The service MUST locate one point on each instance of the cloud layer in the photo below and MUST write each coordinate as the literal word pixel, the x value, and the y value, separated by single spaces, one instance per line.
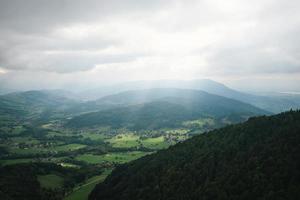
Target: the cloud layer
pixel 76 42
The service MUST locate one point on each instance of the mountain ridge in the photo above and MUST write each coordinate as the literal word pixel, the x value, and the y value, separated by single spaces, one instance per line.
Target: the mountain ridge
pixel 190 104
pixel 273 104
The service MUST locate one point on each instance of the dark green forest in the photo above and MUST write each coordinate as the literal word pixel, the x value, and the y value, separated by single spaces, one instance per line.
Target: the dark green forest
pixel 258 159
pixel 20 181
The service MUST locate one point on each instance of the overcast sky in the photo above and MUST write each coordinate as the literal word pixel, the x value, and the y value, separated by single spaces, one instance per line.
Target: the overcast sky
pixel 248 45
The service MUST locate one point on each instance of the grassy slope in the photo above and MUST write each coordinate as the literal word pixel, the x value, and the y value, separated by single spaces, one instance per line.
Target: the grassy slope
pixel 121 157
pixel 82 192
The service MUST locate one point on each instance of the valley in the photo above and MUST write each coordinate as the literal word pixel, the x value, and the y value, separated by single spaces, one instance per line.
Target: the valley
pixel 70 145
pixel 101 148
pixel 36 130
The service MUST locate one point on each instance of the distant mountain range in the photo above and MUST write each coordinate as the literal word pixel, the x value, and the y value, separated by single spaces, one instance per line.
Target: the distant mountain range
pixel 272 103
pixel 258 159
pixel 47 104
pixel 157 108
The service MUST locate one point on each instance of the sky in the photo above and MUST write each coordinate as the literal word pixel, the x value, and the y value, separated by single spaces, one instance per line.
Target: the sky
pixel 80 44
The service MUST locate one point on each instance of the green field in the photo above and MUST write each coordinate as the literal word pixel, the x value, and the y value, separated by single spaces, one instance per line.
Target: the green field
pixel 199 123
pixel 16 161
pixel 94 136
pixel 50 181
pixel 28 160
pixel 17 129
pixel 132 140
pixel 124 140
pixel 68 147
pixel 155 143
pixel 81 192
pixel 25 140
pixel 41 149
pixel 120 157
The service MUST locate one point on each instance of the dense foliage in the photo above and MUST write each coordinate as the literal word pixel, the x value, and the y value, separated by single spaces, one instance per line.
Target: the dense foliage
pixel 259 159
pixel 20 181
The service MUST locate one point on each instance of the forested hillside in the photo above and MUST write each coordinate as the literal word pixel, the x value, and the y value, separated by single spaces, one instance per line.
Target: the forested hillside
pixel 165 108
pixel 33 105
pixel 258 159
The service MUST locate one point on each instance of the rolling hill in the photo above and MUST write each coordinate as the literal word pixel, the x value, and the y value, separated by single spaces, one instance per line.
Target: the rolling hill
pixel 271 103
pixel 159 108
pixel 258 159
pixel 34 104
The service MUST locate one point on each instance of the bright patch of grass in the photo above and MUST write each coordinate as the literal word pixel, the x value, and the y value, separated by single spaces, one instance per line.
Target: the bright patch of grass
pixel 120 157
pixel 155 143
pixel 82 192
pixel 124 140
pixel 49 125
pixel 63 164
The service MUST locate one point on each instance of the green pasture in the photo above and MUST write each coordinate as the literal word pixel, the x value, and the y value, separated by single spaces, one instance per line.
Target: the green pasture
pixel 82 192
pixel 16 161
pixel 50 181
pixel 119 157
pixel 125 140
pixel 155 143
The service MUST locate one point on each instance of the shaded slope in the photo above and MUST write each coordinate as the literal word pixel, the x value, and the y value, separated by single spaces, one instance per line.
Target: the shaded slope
pixel 273 104
pixel 33 104
pixel 198 84
pixel 259 159
pixel 169 108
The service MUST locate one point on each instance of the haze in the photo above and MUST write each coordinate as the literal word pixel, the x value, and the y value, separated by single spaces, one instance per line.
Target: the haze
pixel 73 44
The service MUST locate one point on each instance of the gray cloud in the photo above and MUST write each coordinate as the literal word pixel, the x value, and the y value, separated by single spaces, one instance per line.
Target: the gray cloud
pixel 40 15
pixel 132 39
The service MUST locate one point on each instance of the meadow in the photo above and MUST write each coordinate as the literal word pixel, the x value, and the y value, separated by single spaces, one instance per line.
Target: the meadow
pixel 116 158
